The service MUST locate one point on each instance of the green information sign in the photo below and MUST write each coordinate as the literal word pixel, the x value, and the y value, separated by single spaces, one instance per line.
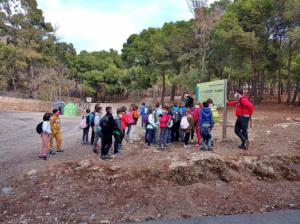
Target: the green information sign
pixel 215 90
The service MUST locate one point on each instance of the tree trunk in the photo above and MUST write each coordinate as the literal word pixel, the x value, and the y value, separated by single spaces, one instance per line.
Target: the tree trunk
pixel 173 92
pixel 279 86
pixel 289 74
pixel 297 90
pixel 163 92
pixel 203 64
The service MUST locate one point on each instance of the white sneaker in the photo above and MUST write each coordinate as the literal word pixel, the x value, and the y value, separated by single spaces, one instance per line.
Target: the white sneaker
pixel 185 146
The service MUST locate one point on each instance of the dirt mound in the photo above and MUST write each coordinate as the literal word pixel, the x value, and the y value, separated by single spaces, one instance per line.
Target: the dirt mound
pixel 9 103
pixel 179 188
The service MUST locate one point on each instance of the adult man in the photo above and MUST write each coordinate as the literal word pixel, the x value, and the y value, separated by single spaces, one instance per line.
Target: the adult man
pixel 107 127
pixel 243 111
pixel 188 100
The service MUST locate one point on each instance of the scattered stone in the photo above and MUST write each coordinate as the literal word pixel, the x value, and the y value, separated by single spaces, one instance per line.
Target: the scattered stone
pixel 31 172
pixel 104 222
pixel 297 119
pixel 7 190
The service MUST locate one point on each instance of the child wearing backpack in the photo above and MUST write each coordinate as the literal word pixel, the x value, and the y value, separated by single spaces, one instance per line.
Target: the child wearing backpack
pixel 150 127
pixel 133 116
pixel 85 125
pixel 206 124
pixel 91 122
pixel 187 125
pixel 97 129
pixel 163 120
pixel 215 116
pixel 176 126
pixel 118 132
pixel 45 134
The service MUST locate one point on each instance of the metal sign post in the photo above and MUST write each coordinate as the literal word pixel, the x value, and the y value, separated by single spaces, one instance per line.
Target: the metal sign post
pixel 224 133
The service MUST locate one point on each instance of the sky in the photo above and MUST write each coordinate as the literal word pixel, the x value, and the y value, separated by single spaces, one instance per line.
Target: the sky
pixel 95 25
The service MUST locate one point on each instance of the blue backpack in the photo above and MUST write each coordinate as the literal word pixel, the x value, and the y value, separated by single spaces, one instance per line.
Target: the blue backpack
pixel 146 119
pixel 91 121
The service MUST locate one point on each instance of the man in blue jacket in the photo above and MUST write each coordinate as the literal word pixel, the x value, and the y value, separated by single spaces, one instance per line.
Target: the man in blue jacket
pixel 206 124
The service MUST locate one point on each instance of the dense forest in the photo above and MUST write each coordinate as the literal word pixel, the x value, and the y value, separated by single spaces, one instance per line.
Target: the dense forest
pixel 255 44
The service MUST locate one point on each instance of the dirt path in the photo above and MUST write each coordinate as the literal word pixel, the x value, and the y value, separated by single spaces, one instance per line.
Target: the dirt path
pixel 146 184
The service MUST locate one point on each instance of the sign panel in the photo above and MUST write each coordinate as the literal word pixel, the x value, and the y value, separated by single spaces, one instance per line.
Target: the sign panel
pixel 89 99
pixel 215 90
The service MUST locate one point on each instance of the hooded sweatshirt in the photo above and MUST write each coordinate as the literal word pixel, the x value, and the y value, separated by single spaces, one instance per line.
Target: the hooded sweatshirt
pixel 206 117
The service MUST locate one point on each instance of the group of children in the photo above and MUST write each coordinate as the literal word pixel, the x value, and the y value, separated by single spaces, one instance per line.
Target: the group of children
pixel 106 127
pixel 169 124
pixel 163 125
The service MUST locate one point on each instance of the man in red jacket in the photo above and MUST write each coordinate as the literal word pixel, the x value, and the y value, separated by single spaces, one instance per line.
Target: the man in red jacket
pixel 243 111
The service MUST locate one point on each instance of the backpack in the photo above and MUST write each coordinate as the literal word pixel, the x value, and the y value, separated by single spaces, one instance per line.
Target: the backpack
pixel 92 117
pixel 215 114
pixel 146 119
pixel 177 117
pixel 170 123
pixel 117 127
pixel 39 128
pixel 83 123
pixel 184 123
pixel 104 122
pixel 205 133
pixel 130 117
pixel 136 115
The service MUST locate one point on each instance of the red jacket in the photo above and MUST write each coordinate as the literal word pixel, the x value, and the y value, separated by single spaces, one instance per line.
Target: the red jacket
pixel 243 106
pixel 124 121
pixel 163 120
pixel 196 115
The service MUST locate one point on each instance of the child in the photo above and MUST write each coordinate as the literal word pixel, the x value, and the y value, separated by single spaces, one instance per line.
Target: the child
pixel 118 132
pixel 215 116
pixel 206 124
pixel 187 127
pixel 45 136
pixel 163 120
pixel 196 116
pixel 85 135
pixel 107 128
pixel 124 122
pixel 97 129
pixel 176 126
pixel 55 132
pixel 150 127
pixel 158 112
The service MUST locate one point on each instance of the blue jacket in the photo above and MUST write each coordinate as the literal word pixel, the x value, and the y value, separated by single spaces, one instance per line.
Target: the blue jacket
pixel 206 117
pixel 143 110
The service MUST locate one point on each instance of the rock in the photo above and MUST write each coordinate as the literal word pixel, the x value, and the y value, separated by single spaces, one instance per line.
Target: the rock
pixel 177 164
pixel 84 163
pixel 264 171
pixel 282 125
pixel 31 172
pixel 48 214
pixel 7 190
pixel 268 132
pixel 104 222
pixel 297 119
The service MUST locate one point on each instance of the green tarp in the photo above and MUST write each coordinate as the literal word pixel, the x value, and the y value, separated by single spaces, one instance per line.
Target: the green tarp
pixel 71 110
